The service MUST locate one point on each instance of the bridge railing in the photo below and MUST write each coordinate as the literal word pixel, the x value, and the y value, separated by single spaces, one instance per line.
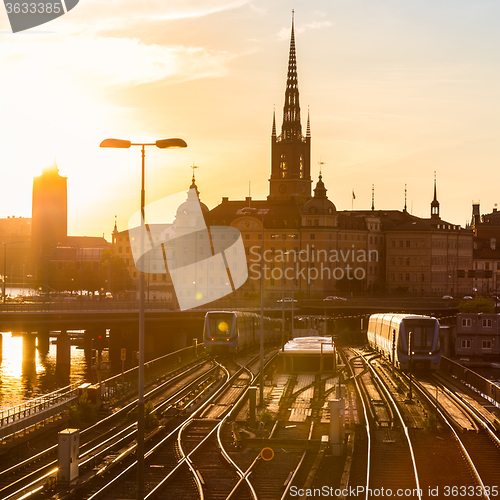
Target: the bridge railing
pixel 485 387
pixel 83 305
pixel 37 405
pixel 123 384
pixel 113 388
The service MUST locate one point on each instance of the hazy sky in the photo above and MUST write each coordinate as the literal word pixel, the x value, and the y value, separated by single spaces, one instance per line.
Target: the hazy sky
pixel 396 90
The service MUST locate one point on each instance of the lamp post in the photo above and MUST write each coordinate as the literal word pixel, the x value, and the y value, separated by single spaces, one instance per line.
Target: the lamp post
pixel 261 212
pixel 162 144
pixel 410 355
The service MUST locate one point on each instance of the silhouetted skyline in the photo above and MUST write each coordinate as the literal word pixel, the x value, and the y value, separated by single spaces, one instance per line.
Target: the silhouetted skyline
pixel 395 91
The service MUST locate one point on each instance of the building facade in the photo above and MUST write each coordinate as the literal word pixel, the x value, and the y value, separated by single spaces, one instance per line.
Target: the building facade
pixel 486 272
pixel 302 245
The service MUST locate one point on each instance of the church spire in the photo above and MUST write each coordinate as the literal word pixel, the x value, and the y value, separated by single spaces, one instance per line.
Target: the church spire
pixel 193 181
pixel 290 150
pixel 291 127
pixel 435 202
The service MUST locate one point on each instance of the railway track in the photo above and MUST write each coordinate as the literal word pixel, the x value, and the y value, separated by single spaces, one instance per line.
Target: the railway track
pixel 170 470
pixel 390 460
pixel 480 447
pixel 450 457
pixel 100 441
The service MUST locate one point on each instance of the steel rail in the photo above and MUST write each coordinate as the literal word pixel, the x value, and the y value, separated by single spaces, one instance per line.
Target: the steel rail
pixel 225 454
pixel 463 449
pixel 100 444
pixel 405 427
pixel 473 412
pixel 187 458
pixel 128 407
pixel 299 465
pixel 367 421
pixel 151 451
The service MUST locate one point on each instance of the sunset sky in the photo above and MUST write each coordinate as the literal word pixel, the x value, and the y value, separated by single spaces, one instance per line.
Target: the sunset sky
pixel 397 89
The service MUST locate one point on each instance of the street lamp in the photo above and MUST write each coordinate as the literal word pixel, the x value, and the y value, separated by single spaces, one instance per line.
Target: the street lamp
pixel 262 212
pixel 162 144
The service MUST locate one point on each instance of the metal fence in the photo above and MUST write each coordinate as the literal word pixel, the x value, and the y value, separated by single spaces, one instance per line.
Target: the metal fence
pixel 126 383
pixel 84 305
pixel 485 387
pixel 38 405
pixel 109 390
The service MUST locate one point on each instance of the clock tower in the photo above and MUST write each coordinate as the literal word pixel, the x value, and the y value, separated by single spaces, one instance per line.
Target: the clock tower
pixel 291 151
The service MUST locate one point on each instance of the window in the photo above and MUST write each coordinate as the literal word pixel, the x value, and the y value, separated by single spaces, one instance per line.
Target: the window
pixel 313 236
pixel 393 243
pixel 407 261
pixel 316 222
pixel 283 166
pixel 401 243
pixel 407 243
pixel 465 344
pixel 466 322
pixel 407 277
pixel 486 344
pixel 486 323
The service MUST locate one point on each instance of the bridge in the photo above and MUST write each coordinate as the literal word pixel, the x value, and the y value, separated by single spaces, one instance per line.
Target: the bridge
pixel 168 330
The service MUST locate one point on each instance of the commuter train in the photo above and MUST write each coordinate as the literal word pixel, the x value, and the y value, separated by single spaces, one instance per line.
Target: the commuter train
pixel 232 331
pixel 390 332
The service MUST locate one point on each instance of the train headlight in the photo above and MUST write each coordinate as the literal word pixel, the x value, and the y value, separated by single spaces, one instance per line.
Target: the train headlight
pixel 223 326
pixel 430 353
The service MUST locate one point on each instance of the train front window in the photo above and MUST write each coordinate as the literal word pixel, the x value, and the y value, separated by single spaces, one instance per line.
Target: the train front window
pixel 220 325
pixel 422 334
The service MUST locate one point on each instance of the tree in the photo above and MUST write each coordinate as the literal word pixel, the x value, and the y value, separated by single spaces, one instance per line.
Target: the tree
pixel 477 305
pixel 115 271
pixel 83 412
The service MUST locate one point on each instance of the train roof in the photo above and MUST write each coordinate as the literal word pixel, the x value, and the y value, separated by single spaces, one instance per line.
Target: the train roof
pixel 309 345
pixel 400 316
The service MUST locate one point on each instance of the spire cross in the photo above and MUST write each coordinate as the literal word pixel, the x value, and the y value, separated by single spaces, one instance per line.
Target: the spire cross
pixel 193 167
pixel 320 163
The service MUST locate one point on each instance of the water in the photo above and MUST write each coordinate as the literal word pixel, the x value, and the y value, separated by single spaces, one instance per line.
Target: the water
pixel 25 373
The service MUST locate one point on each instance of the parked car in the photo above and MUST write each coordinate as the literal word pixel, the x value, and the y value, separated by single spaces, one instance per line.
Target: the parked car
pixel 333 297
pixel 287 299
pixel 447 297
pixel 468 297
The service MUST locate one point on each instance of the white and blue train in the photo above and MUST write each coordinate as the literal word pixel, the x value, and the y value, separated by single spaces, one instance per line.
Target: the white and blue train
pixel 232 331
pixel 389 333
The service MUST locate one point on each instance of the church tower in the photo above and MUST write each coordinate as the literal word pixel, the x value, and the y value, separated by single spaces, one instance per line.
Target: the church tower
pixel 435 202
pixel 291 151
